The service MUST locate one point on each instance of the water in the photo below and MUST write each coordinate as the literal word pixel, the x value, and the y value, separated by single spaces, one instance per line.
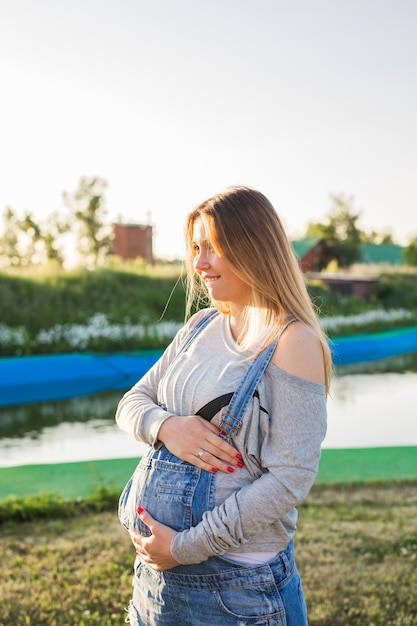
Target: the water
pixel 370 406
pixel 373 410
pixel 70 430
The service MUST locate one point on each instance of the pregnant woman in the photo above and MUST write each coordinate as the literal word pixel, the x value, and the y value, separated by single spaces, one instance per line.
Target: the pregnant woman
pixel 234 415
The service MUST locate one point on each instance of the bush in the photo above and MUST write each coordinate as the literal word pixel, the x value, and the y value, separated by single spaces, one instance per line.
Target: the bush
pixel 50 505
pixel 73 297
pixel 396 290
pixel 130 308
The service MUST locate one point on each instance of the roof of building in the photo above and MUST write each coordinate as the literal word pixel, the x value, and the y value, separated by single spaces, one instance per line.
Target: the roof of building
pixel 381 253
pixel 302 246
pixel 370 253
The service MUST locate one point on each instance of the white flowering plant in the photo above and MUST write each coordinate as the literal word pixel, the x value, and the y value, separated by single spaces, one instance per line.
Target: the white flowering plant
pixel 367 321
pixel 98 334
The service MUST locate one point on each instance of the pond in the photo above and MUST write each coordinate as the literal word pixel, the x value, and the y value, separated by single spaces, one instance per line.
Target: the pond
pixel 371 405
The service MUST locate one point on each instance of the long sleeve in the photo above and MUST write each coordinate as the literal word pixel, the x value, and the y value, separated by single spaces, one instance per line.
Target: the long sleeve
pixel 290 452
pixel 138 412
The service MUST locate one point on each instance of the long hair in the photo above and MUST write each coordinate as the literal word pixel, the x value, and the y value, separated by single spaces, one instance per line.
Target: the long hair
pixel 246 231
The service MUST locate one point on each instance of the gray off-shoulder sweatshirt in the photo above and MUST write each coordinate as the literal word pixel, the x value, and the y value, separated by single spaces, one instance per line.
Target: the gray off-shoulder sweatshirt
pixel 280 441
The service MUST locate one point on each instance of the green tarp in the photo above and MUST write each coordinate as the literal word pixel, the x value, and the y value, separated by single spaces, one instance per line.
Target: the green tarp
pixel 72 480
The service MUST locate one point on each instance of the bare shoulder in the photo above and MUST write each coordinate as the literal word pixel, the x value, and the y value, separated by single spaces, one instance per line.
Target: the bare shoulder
pixel 299 352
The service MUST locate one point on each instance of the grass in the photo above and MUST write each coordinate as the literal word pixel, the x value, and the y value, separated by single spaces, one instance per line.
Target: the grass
pixel 357 553
pixel 356 549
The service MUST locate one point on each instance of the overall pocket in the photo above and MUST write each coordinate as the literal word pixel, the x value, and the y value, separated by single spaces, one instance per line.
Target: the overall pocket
pixel 174 492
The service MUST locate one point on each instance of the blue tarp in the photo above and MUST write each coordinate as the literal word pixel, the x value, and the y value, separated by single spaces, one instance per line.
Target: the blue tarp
pixel 41 378
pixel 61 376
pixel 375 346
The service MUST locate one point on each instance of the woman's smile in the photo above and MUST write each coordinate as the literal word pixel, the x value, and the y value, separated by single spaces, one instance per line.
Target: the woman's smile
pixel 210 279
pixel 216 273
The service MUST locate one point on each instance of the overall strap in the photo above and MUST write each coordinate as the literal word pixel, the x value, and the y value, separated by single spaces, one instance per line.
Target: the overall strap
pixel 232 418
pixel 196 330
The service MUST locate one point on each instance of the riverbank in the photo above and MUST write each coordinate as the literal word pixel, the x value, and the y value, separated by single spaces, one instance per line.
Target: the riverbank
pixel 80 479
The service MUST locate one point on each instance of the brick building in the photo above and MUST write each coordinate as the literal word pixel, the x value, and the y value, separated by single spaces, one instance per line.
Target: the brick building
pixel 132 241
pixel 312 254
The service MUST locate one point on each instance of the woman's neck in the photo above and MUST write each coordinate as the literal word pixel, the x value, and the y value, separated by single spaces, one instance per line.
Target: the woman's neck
pixel 236 323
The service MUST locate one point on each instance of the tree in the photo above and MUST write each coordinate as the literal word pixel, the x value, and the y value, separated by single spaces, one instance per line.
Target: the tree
pixel 385 237
pixel 89 210
pixel 43 242
pixel 33 234
pixel 52 238
pixel 9 241
pixel 342 236
pixel 315 229
pixel 410 252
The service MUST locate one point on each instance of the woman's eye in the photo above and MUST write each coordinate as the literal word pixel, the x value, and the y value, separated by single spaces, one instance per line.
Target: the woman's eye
pixel 196 249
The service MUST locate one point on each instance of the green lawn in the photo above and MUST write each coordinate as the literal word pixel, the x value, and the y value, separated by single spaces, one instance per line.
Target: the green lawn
pixel 356 548
pixel 72 480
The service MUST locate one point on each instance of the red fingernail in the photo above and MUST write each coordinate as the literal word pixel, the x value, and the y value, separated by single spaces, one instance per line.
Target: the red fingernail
pixel 230 469
pixel 239 464
pixel 239 456
pixel 214 469
pixel 139 510
pixel 221 432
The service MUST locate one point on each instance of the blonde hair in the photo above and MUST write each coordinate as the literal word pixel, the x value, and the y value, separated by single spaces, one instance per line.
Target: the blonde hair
pixel 246 231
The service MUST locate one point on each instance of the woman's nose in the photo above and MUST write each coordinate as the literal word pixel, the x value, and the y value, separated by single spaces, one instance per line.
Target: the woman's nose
pixel 201 261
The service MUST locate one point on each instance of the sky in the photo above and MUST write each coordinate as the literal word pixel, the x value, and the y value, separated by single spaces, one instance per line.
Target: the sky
pixel 172 101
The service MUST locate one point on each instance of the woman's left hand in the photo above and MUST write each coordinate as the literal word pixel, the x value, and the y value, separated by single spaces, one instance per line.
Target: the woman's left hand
pixel 155 550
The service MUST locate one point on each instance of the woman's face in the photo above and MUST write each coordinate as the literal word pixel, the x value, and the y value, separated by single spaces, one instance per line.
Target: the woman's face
pixel 221 281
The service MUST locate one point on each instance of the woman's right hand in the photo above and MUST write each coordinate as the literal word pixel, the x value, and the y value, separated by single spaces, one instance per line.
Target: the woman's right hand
pixel 198 442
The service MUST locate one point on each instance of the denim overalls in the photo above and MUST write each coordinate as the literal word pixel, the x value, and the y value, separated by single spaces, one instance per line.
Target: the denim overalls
pixel 217 592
